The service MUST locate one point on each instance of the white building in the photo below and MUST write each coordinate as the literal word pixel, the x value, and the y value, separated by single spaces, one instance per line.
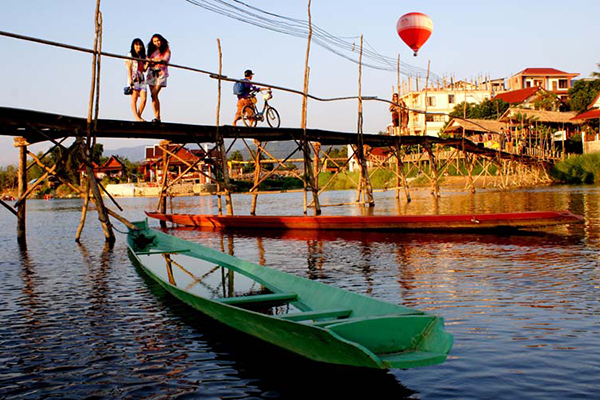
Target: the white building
pixel 441 100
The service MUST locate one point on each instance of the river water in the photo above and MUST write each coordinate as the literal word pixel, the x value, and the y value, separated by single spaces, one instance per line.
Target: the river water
pixel 80 321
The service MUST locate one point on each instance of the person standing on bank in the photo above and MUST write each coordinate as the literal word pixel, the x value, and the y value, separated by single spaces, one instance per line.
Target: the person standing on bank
pixel 244 97
pixel 158 72
pixel 135 77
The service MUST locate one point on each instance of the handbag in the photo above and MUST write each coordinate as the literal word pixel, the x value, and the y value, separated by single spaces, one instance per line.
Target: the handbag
pixel 127 90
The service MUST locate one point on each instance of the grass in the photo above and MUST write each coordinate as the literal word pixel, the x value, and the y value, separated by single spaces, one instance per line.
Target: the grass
pixel 578 169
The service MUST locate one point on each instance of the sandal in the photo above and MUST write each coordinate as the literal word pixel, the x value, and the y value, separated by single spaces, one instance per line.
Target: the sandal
pixel 156 120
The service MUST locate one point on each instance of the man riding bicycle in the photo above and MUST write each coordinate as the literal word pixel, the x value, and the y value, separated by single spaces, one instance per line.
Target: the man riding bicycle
pixel 245 94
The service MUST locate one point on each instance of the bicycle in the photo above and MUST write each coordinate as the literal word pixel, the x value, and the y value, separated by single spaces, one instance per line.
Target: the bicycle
pixel 251 115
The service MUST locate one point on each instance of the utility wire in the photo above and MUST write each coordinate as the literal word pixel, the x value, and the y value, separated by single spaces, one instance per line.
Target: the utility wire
pixel 341 47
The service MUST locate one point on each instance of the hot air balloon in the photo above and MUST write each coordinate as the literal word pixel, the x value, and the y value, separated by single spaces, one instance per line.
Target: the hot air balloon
pixel 414 29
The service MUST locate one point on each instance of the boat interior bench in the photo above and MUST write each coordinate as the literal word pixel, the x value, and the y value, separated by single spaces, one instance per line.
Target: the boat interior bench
pixel 259 299
pixel 317 314
pixel 151 251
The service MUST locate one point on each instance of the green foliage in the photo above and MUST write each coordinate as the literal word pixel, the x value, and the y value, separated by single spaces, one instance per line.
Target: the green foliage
pixel 236 156
pixel 547 101
pixel 582 94
pixel 487 109
pixel 578 169
pixel 8 178
pixel 341 152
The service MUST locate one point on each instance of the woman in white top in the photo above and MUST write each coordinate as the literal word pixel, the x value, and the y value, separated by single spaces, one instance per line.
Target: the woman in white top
pixel 135 78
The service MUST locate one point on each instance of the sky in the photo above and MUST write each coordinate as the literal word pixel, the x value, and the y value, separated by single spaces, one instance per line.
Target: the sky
pixel 470 39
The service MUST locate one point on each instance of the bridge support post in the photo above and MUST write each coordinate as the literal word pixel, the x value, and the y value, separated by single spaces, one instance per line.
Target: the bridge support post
pixel 433 167
pixel 317 148
pixel 21 144
pixel 257 171
pixel 401 174
pixel 162 202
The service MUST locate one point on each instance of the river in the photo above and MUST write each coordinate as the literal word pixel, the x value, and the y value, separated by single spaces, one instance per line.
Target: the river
pixel 80 321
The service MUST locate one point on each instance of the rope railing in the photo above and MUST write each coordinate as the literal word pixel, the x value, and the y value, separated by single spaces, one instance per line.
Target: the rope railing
pixel 218 76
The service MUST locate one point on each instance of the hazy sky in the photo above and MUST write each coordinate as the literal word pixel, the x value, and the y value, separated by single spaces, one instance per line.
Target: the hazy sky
pixel 470 38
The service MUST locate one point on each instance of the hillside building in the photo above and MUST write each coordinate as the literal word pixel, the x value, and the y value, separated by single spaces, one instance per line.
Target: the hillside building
pixel 549 79
pixel 438 102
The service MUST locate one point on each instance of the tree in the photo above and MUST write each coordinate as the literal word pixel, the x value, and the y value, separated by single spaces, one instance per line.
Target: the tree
pixel 583 93
pixel 487 109
pixel 547 101
pixel 236 156
pixel 596 74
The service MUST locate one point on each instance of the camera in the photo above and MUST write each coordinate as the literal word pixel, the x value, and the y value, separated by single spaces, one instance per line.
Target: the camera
pixel 127 90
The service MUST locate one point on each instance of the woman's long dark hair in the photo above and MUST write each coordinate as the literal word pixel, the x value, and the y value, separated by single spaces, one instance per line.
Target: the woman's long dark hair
pixel 164 44
pixel 141 54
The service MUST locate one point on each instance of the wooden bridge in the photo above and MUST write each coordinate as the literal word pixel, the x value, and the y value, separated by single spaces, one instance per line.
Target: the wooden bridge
pixel 36 127
pixel 30 127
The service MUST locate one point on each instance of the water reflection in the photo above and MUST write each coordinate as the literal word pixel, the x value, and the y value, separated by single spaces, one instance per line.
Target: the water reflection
pixel 81 322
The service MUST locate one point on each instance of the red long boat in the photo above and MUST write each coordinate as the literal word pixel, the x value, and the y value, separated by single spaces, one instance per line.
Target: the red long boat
pixel 436 223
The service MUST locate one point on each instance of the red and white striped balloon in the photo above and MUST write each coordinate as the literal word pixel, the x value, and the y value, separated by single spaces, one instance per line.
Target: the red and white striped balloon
pixel 414 29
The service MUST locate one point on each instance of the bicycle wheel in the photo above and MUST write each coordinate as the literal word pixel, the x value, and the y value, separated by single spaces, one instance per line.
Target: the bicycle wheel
pixel 248 116
pixel 273 117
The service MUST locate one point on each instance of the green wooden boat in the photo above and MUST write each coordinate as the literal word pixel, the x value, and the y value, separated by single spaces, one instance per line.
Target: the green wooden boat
pixel 312 319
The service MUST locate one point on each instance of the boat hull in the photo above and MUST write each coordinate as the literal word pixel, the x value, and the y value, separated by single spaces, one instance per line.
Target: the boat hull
pixel 459 222
pixel 371 336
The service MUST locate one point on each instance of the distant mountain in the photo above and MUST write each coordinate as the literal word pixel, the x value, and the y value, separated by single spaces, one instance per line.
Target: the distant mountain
pixel 133 154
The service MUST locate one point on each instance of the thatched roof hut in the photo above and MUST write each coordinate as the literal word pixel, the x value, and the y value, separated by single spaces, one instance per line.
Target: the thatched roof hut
pixel 553 117
pixel 474 126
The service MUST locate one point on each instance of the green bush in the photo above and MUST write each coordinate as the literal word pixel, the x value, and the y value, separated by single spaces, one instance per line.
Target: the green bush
pixel 578 169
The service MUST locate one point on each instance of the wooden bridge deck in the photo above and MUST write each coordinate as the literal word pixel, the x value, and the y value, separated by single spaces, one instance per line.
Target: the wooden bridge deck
pixel 36 126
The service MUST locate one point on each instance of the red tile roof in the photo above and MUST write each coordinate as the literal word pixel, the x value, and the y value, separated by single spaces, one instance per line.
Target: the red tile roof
pixel 543 71
pixel 592 114
pixel 381 152
pixel 518 96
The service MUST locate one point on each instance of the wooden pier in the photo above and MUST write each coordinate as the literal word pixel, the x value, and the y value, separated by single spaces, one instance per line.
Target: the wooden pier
pixel 29 127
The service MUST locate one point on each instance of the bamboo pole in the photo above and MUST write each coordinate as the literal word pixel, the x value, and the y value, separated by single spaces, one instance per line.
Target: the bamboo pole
pixel 86 202
pixel 221 144
pixel 309 180
pixel 317 149
pixel 365 183
pixel 113 214
pixel 102 214
pixel 426 89
pixel 162 201
pixel 257 170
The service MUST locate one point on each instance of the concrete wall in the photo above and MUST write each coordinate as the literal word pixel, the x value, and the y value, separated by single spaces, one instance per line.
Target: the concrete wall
pixel 591 147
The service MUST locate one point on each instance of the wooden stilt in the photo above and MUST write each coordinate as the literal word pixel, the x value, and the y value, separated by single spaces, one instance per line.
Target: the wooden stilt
pixel 162 201
pixel 221 145
pixel 257 171
pixel 365 182
pixel 316 169
pixel 21 143
pixel 309 180
pixel 433 169
pixel 86 202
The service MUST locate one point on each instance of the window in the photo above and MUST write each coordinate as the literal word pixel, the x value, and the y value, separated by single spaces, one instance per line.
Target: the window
pixel 431 101
pixel 563 84
pixel 434 118
pixel 450 99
